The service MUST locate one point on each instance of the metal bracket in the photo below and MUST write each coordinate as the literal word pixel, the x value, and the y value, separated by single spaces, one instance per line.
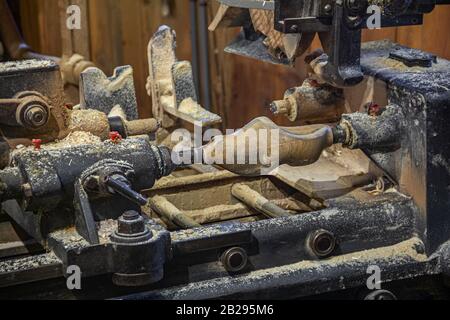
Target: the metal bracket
pixel 101 93
pixel 84 218
pixel 171 84
pixel 84 215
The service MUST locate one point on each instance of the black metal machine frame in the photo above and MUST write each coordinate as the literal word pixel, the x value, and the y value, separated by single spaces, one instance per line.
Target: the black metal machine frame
pixel 404 232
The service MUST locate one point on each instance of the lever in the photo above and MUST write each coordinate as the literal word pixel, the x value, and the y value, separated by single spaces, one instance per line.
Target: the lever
pixel 122 188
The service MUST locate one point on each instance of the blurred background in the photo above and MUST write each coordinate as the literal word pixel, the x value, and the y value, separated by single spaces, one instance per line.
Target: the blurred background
pixel 116 32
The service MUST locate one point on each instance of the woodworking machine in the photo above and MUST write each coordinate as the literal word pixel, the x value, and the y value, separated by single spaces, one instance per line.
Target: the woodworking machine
pixel 362 186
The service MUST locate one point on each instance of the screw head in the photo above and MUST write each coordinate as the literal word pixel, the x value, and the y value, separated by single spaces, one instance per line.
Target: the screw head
pixel 36 116
pixel 131 229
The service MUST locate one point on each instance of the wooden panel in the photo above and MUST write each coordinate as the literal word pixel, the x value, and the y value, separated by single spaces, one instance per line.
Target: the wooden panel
pixel 433 36
pixel 75 41
pixel 40 25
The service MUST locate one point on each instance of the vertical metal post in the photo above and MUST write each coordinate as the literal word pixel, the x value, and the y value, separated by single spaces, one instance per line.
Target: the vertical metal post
pixel 204 54
pixel 194 43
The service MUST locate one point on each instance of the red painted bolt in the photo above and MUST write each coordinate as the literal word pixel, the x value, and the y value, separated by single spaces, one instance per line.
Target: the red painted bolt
pixel 37 144
pixel 115 137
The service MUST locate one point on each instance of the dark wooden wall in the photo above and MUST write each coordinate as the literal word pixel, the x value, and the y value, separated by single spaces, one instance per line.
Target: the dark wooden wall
pixel 241 88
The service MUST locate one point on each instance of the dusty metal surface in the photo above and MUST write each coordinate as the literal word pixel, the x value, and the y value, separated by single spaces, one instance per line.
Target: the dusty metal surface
pixel 264 283
pixel 197 218
pixel 34 78
pixel 260 40
pixel 99 92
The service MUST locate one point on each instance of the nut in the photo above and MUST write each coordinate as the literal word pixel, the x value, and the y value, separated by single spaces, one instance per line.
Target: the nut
pixel 36 116
pixel 32 112
pixel 131 223
pixel 234 259
pixel 322 243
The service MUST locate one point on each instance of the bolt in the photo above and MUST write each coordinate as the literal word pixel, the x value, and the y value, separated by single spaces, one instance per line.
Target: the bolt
pixel 328 8
pixel 36 116
pixel 131 228
pixel 294 28
pixel 131 223
pixel 131 215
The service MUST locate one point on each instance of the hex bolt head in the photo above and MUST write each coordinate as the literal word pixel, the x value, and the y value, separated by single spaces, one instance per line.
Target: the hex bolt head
pixel 131 223
pixel 36 116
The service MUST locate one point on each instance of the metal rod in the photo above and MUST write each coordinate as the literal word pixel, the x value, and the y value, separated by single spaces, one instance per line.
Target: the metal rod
pixel 166 209
pixel 256 201
pixel 125 191
pixel 204 54
pixel 194 43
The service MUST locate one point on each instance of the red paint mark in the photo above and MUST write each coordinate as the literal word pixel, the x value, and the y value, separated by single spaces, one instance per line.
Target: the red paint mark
pixel 314 83
pixel 115 137
pixel 37 144
pixel 374 110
